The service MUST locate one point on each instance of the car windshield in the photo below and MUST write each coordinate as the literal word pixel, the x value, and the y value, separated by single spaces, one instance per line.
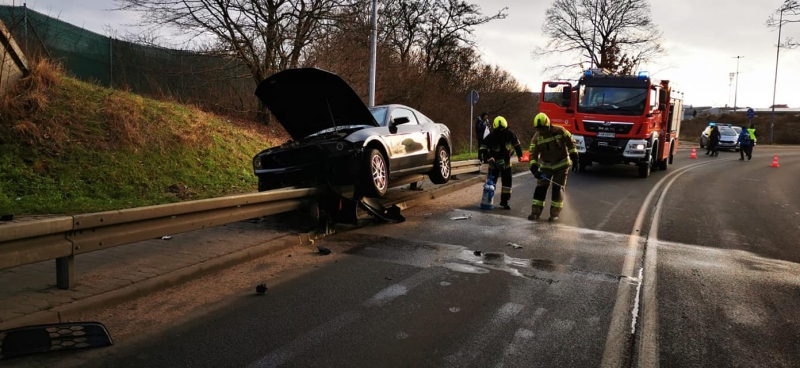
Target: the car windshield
pixel 380 114
pixel 612 100
pixel 727 131
pixel 737 129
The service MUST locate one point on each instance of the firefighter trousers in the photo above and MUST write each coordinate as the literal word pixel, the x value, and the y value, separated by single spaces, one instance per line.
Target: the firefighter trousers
pixel 504 173
pixel 559 183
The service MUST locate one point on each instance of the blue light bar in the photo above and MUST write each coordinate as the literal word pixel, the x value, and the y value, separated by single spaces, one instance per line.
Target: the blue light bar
pixel 642 75
pixel 588 73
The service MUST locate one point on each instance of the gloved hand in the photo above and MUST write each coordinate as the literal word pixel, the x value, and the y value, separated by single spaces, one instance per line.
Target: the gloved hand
pixel 535 170
pixel 575 162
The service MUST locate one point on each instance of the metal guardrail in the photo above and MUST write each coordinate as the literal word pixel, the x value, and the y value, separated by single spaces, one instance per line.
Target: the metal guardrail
pixel 62 238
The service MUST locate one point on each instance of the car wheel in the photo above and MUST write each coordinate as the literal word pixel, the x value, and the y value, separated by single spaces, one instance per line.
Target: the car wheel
pixel 376 178
pixel 441 166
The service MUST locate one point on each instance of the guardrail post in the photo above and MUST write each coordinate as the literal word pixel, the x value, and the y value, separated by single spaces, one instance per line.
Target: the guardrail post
pixel 65 272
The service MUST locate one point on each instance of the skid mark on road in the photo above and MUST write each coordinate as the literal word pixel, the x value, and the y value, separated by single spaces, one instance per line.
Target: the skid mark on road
pixel 307 341
pixel 391 292
pixel 467 354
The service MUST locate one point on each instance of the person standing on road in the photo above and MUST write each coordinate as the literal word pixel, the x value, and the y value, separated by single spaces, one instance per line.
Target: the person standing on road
pixel 713 141
pixel 552 153
pixel 481 127
pixel 746 142
pixel 496 149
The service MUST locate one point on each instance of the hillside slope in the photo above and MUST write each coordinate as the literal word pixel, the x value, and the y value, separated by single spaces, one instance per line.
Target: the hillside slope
pixel 68 146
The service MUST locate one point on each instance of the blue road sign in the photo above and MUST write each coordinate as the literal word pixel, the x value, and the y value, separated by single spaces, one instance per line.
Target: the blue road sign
pixel 750 113
pixel 472 97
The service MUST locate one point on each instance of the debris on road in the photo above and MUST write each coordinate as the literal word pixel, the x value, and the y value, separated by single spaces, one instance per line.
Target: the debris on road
pixel 261 288
pixel 166 237
pixel 477 253
pixel 514 245
pixel 462 217
pixel 322 250
pixel 455 309
pixel 387 278
pixel 53 337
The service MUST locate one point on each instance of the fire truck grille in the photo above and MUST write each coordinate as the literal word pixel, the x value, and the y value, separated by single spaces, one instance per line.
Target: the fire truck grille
pixel 608 127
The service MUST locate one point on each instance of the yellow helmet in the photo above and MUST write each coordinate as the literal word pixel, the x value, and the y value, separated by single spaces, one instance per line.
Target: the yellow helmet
pixel 500 122
pixel 541 120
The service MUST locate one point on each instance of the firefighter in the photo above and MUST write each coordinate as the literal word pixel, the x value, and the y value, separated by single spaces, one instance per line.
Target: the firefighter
pixel 552 152
pixel 496 149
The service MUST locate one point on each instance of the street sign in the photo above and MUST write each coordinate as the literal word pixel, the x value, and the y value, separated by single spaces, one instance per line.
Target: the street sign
pixel 750 113
pixel 472 97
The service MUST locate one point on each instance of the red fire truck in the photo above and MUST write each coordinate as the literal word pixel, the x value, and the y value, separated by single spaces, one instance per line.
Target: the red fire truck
pixel 617 119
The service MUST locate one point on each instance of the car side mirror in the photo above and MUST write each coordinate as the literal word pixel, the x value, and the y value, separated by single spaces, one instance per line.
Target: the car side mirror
pixel 400 120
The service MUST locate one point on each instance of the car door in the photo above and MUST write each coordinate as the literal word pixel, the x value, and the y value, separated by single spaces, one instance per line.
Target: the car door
pixel 407 141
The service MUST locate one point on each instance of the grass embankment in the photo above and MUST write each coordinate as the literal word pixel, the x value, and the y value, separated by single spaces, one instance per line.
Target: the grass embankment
pixel 787 126
pixel 68 146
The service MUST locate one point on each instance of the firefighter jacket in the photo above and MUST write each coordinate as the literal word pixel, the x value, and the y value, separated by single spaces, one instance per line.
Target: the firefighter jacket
pixel 551 148
pixel 500 144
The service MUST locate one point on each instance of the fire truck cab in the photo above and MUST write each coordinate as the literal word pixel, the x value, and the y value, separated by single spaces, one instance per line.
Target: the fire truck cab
pixel 617 119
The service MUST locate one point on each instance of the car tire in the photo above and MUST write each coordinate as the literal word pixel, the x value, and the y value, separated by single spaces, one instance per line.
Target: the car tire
pixel 376 174
pixel 441 166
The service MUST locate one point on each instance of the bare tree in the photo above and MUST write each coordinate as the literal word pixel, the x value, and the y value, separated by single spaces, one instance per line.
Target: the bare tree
pixel 791 14
pixel 450 25
pixel 612 34
pixel 266 35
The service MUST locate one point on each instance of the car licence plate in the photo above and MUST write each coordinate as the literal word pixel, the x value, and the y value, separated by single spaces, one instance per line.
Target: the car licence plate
pixel 606 135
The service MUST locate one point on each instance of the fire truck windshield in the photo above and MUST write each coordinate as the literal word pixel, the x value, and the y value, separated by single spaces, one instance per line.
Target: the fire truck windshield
pixel 612 100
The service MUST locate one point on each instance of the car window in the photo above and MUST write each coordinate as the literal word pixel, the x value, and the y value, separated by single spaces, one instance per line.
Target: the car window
pixel 379 113
pixel 400 113
pixel 727 131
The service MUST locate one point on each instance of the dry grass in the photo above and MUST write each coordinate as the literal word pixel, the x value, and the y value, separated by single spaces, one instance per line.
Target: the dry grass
pixel 68 146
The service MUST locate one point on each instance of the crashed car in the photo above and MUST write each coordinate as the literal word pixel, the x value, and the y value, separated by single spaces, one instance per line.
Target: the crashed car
pixel 337 140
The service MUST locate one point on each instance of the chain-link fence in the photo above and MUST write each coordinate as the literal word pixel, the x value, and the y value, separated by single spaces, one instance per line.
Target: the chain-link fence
pixel 213 82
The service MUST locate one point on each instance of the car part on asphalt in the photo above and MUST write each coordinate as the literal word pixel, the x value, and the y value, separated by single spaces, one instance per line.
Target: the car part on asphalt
pixel 53 337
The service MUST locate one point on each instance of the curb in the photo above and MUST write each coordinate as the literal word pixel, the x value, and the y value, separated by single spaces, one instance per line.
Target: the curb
pixel 73 310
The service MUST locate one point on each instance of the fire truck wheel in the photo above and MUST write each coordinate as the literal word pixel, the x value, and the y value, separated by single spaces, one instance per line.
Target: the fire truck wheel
pixel 662 165
pixel 646 167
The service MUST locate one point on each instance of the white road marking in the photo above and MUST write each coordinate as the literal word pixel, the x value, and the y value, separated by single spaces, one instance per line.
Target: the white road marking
pixel 617 338
pixel 648 350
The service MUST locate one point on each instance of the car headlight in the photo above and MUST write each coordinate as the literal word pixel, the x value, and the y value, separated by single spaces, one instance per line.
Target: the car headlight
pixel 637 146
pixel 257 162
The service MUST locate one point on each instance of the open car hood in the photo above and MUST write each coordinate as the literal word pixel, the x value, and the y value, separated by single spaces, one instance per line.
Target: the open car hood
pixel 308 100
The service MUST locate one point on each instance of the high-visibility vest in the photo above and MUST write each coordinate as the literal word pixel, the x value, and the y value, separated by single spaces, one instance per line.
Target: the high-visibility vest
pixel 752 132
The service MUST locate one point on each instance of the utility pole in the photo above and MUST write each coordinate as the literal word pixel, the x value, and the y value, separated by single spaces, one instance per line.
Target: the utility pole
pixel 775 84
pixel 736 94
pixel 594 34
pixel 373 53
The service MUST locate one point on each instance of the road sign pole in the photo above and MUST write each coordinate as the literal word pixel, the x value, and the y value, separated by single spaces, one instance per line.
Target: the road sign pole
pixel 470 125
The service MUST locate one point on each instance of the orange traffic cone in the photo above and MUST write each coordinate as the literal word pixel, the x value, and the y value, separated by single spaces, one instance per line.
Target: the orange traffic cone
pixel 526 157
pixel 694 153
pixel 775 161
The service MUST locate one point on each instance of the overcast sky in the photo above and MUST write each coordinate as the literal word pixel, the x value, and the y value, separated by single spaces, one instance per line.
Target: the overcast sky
pixel 702 37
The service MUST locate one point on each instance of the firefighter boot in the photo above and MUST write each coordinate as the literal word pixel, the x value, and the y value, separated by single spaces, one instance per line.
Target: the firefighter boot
pixel 536 212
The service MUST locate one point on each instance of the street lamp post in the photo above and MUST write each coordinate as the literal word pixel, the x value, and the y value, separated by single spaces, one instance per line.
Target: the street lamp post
pixel 775 84
pixel 736 93
pixel 373 53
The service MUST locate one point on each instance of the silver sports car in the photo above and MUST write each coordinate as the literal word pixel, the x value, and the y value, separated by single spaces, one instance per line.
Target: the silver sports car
pixel 337 140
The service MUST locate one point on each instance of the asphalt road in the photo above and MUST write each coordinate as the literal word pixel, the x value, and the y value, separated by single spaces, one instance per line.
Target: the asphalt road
pixel 692 267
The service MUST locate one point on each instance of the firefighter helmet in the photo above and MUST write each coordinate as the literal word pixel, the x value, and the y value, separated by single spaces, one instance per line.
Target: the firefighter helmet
pixel 500 123
pixel 541 120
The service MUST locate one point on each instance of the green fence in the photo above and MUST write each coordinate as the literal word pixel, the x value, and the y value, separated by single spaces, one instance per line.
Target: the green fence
pixel 213 82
